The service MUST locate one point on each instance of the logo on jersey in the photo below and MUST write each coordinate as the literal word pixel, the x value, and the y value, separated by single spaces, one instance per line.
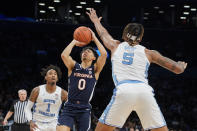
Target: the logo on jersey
pixel 56 96
pixel 49 101
pixel 47 113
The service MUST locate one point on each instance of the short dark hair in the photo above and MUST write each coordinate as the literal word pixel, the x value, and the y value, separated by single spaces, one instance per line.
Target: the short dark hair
pixel 93 50
pixel 47 68
pixel 133 29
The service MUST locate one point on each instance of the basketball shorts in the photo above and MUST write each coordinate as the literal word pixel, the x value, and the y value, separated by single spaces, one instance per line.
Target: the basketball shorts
pixel 82 120
pixel 128 97
pixel 46 126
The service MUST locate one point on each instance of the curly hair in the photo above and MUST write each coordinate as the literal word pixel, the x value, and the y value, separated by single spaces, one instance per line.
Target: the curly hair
pixel 133 32
pixel 47 68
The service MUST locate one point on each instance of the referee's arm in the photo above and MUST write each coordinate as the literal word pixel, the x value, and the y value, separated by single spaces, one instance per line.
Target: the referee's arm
pixel 8 115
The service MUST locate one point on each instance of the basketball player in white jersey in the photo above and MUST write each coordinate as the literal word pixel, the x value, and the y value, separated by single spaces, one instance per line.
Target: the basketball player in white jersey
pixel 46 101
pixel 130 62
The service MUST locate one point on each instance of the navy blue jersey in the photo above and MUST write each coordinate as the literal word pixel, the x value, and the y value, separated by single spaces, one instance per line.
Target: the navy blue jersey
pixel 81 85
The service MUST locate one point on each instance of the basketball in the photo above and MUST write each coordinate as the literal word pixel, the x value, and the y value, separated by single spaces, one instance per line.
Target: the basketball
pixel 83 34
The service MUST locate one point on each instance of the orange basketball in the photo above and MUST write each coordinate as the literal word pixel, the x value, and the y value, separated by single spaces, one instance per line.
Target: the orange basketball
pixel 83 34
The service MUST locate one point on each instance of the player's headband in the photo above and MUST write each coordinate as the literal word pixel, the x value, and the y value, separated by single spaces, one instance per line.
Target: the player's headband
pixel 132 37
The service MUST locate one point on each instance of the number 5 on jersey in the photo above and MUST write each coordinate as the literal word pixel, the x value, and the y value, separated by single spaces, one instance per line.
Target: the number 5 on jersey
pixel 127 58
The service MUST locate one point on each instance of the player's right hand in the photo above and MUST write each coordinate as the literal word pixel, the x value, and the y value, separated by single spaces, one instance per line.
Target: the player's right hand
pixel 33 126
pixel 93 16
pixel 78 43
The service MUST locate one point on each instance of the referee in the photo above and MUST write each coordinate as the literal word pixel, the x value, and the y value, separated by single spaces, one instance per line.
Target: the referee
pixel 20 121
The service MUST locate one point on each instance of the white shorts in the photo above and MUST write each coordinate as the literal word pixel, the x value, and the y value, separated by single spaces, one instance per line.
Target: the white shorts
pixel 130 97
pixel 46 126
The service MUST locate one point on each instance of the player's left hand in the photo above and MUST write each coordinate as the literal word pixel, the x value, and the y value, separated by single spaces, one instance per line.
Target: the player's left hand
pixel 93 34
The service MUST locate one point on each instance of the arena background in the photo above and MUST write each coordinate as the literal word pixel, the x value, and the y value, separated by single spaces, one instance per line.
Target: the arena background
pixel 34 33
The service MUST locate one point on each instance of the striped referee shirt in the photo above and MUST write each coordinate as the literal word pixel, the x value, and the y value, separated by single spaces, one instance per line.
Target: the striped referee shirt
pixel 19 111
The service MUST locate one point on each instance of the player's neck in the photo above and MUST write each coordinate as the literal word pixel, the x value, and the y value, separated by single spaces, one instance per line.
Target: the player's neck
pixel 50 88
pixel 86 64
pixel 133 44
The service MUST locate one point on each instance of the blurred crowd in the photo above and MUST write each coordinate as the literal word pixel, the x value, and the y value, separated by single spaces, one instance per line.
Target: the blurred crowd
pixel 23 54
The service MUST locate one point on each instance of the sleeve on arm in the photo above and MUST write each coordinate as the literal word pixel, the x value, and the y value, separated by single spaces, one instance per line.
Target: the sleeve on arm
pixel 12 108
pixel 28 112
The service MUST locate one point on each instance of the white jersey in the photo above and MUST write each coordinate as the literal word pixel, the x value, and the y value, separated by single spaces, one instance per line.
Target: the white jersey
pixel 47 105
pixel 129 63
pixel 132 92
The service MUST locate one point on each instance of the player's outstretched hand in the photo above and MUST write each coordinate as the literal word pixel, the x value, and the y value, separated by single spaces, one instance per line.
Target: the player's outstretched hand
pixel 182 63
pixel 93 16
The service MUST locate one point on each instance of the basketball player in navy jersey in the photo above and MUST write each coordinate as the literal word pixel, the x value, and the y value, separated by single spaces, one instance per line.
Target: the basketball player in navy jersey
pixel 81 83
pixel 130 62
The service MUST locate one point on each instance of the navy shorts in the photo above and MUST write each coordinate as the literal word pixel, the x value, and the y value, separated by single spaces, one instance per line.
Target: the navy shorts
pixel 82 120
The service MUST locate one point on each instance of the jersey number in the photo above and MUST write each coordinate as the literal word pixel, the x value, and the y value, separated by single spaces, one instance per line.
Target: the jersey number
pixel 48 108
pixel 82 84
pixel 127 58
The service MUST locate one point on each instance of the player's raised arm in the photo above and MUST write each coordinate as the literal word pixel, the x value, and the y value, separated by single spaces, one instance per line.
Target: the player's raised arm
pixel 67 59
pixel 102 58
pixel 107 39
pixel 173 66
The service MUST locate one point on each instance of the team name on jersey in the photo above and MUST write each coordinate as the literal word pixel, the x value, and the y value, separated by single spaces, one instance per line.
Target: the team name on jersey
pixel 46 113
pixel 83 75
pixel 49 101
